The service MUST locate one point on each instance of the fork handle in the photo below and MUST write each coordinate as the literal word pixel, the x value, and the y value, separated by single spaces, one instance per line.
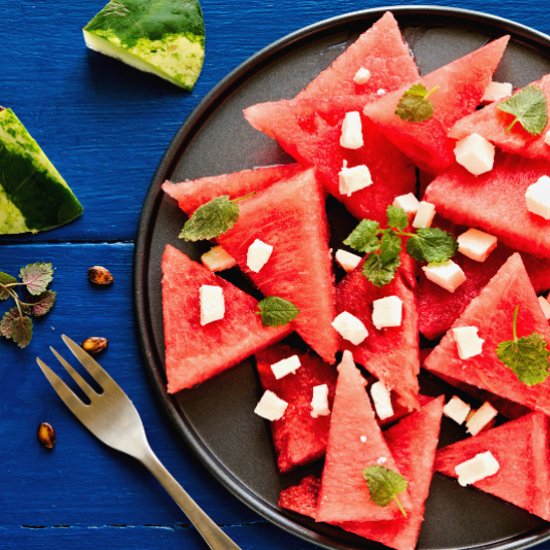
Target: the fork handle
pixel 214 537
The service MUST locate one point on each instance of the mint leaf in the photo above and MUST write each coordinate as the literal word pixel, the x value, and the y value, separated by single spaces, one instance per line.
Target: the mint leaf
pixel 36 277
pixel 384 485
pixel 414 105
pixel 397 217
pixel 211 220
pixel 277 311
pixel 16 327
pixel 529 109
pixel 378 272
pixel 5 279
pixel 6 322
pixel 390 247
pixel 364 238
pixel 527 356
pixel 431 245
pixel 44 303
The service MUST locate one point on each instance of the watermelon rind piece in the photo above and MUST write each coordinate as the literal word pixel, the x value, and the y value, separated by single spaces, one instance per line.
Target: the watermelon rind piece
pixel 162 37
pixel 33 195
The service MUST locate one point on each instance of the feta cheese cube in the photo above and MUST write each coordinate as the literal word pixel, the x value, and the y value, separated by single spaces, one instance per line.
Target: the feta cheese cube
pixel 468 343
pixel 352 131
pixel 409 203
pixel 387 312
pixel 346 260
pixel 319 401
pixel 270 406
pixel 456 409
pixel 480 418
pixel 362 76
pixel 212 303
pixel 545 306
pixel 447 275
pixel 381 398
pixel 380 91
pixel 547 138
pixel 496 91
pixel 350 328
pixel 476 245
pixel 537 197
pixel 363 438
pixel 353 179
pixel 424 215
pixel 477 468
pixel 286 366
pixel 476 154
pixel 258 255
pixel 218 259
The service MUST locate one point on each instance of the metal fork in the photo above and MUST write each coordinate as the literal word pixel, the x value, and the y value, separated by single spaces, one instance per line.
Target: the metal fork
pixel 114 420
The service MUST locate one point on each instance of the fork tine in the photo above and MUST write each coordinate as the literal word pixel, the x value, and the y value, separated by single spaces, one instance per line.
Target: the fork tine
pixel 65 393
pixel 84 386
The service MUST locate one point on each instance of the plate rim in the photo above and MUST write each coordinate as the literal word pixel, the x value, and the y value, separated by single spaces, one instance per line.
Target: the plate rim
pixel 141 257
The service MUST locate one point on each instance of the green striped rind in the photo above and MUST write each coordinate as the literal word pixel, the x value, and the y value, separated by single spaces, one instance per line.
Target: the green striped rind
pixel 163 37
pixel 33 195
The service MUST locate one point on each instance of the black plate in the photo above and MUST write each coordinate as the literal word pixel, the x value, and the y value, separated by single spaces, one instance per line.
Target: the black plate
pixel 216 418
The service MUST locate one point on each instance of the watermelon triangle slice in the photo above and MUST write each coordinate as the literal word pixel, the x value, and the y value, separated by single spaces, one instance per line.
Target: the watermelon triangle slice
pixel 413 443
pixel 298 437
pixel 290 216
pixel 460 87
pixel 195 353
pixel 302 497
pixel 191 194
pixel 355 442
pixel 522 449
pixel 492 312
pixel 495 202
pixel 492 123
pixel 390 354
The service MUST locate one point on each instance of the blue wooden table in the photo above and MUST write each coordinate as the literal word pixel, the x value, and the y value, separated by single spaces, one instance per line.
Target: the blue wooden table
pixel 106 127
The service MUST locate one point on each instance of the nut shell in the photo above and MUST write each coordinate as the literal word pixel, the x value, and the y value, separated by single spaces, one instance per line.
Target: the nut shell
pixel 99 275
pixel 95 344
pixel 46 435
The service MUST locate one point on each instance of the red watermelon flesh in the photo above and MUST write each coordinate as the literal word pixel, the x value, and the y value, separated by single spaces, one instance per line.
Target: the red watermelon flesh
pixel 290 216
pixel 495 202
pixel 310 132
pixel 192 194
pixel 522 449
pixel 492 312
pixel 344 494
pixel 390 354
pixel 492 123
pixel 461 85
pixel 195 353
pixel 438 308
pixel 413 443
pixel 302 497
pixel 298 437
pixel 381 50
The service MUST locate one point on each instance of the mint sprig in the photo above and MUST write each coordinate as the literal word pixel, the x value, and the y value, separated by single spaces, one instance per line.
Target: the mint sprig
pixel 276 311
pixel 364 238
pixel 385 485
pixel 431 244
pixel 414 105
pixel 529 109
pixel 527 356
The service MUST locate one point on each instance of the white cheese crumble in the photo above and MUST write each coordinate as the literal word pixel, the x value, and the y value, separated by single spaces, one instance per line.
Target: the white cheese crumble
pixel 319 401
pixel 381 398
pixel 350 328
pixel 353 179
pixel 380 91
pixel 475 153
pixel 545 306
pixel 477 468
pixel 270 406
pixel 363 439
pixel 480 418
pixel 382 460
pixel 362 76
pixel 258 255
pixel 547 138
pixel 387 312
pixel 424 215
pixel 468 343
pixel 352 131
pixel 496 91
pixel 537 197
pixel 286 366
pixel 212 303
pixel 447 275
pixel 218 259
pixel 346 260
pixel 409 203
pixel 456 409
pixel 476 244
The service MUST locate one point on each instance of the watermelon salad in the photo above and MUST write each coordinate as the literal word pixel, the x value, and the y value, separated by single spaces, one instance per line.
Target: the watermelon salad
pixel 444 276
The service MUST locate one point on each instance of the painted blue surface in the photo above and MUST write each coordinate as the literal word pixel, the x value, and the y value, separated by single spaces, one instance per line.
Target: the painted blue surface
pixel 106 127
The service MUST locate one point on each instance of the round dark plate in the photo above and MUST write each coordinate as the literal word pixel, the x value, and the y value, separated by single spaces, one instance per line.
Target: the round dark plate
pixel 216 418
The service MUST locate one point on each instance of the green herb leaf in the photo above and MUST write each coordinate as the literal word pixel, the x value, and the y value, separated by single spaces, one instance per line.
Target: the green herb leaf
pixel 277 311
pixel 529 109
pixel 527 356
pixel 414 105
pixel 37 277
pixel 384 485
pixel 211 220
pixel 378 272
pixel 5 279
pixel 364 238
pixel 390 247
pixel 44 303
pixel 16 327
pixel 397 217
pixel 432 245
